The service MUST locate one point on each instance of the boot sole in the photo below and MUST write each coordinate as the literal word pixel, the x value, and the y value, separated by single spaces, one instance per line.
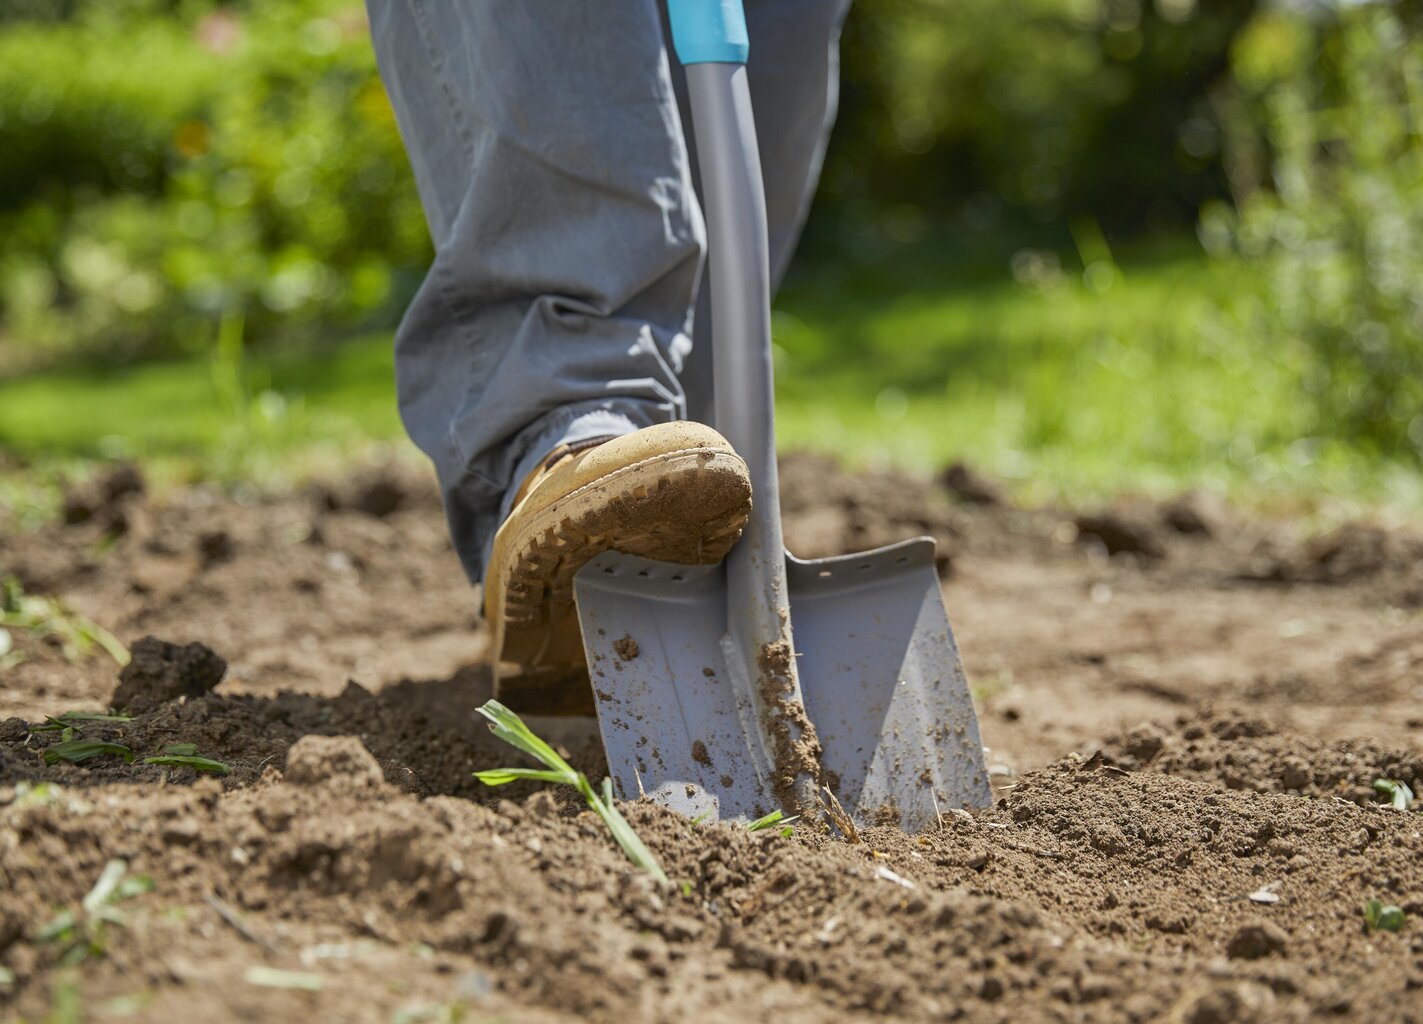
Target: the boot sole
pixel 686 506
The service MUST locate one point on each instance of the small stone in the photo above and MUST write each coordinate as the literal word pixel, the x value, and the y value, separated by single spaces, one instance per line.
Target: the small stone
pixel 542 806
pixel 1257 939
pixel 14 730
pixel 215 546
pixel 313 760
pixel 181 831
pixel 1144 744
pixel 1294 774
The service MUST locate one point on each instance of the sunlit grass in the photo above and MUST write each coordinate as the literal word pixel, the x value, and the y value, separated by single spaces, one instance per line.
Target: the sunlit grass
pixel 1145 384
pixel 1137 381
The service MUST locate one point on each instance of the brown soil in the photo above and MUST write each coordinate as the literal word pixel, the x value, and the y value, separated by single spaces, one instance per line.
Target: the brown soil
pixel 1184 737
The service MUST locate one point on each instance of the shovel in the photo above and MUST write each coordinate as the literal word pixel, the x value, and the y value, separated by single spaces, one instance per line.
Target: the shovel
pixel 737 689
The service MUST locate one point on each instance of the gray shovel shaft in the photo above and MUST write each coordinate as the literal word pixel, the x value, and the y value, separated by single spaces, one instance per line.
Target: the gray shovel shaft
pixel 740 281
pixel 758 609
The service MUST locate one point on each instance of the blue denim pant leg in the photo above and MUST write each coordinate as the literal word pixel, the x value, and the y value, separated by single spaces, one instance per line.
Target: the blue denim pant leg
pixel 546 138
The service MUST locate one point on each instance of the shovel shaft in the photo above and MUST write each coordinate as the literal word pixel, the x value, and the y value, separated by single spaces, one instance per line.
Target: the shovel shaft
pixel 759 649
pixel 739 279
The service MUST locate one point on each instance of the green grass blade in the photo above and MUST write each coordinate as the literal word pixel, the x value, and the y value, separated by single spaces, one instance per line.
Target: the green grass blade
pixel 181 749
pixel 502 776
pixel 58 926
pixel 510 728
pixel 78 751
pixel 106 886
pixel 133 885
pixel 77 720
pixel 769 820
pixel 1400 796
pixel 202 764
pixel 111 644
pixel 632 844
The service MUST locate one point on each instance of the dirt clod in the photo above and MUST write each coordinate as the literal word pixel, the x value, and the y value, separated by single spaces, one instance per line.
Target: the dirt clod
pixel 1195 514
pixel 313 760
pixel 1122 532
pixel 626 647
pixel 102 497
pixel 968 485
pixel 160 671
pixel 1257 939
pixel 215 546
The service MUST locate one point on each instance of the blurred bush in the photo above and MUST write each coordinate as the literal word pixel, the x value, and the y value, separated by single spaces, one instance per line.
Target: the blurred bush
pixel 166 165
pixel 1325 129
pixel 992 112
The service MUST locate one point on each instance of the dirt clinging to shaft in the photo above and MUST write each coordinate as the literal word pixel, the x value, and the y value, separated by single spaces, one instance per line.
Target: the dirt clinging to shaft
pixel 1185 739
pixel 796 771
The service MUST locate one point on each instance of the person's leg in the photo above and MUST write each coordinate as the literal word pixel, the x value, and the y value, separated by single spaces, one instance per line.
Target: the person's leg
pixel 546 145
pixel 794 75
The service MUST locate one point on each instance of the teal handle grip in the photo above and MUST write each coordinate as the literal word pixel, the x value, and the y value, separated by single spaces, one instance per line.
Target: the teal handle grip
pixel 709 31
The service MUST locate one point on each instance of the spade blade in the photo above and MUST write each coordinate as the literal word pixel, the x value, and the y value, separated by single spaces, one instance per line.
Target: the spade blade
pixel 879 669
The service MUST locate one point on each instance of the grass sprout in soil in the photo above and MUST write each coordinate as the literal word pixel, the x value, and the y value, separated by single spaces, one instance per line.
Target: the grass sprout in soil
pixel 510 728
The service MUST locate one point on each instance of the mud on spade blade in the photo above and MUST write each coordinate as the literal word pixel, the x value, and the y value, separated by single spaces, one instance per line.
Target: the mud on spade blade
pixel 879 672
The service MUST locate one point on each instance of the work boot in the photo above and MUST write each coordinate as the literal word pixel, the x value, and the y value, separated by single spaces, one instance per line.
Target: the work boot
pixel 675 492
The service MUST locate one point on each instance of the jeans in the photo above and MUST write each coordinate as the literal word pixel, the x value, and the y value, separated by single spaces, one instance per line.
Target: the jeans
pixel 551 149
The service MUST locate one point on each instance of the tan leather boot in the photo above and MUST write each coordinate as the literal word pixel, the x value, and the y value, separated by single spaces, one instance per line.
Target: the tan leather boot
pixel 676 492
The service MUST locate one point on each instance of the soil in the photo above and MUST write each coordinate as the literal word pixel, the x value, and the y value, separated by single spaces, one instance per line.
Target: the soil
pixel 1186 709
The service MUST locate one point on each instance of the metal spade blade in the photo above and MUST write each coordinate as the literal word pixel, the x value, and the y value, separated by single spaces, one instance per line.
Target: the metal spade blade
pixel 879 672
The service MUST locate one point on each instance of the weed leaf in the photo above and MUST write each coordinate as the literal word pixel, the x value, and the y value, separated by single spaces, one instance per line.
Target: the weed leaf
pixel 76 720
pixel 1381 917
pixel 1398 793
pixel 776 816
pixel 510 728
pixel 202 764
pixel 78 751
pixel 501 776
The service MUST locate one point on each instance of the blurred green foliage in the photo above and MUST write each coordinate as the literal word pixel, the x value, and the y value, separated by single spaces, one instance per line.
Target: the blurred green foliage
pixel 1326 158
pixel 194 178
pixel 991 111
pixel 165 165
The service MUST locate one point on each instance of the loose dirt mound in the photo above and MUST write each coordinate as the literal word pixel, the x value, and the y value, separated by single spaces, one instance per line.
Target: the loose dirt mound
pixel 1184 746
